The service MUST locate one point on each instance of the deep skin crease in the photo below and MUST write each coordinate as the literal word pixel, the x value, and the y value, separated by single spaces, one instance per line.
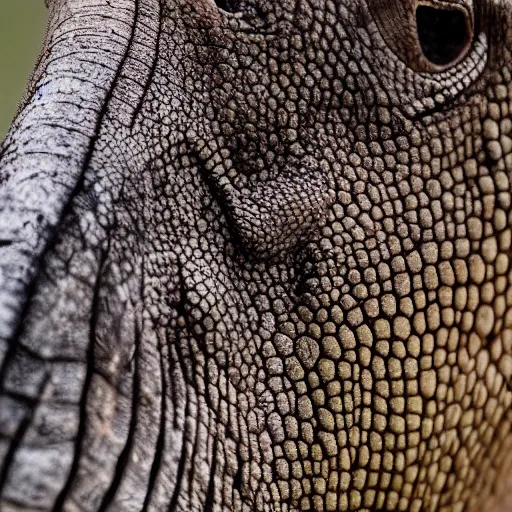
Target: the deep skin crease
pixel 255 256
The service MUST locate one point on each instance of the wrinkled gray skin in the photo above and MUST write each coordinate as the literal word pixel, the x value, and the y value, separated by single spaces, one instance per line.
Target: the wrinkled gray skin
pixel 258 261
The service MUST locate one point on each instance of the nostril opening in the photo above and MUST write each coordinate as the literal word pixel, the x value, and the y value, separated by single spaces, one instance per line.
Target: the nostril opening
pixel 238 6
pixel 225 5
pixel 231 6
pixel 444 34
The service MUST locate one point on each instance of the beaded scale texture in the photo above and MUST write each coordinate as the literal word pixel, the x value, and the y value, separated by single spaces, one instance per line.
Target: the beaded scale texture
pixel 255 256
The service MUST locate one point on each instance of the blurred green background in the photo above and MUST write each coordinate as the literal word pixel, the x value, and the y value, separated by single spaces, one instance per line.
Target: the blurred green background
pixel 22 25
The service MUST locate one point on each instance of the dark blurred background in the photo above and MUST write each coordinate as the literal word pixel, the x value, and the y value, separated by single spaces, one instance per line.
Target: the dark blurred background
pixel 22 26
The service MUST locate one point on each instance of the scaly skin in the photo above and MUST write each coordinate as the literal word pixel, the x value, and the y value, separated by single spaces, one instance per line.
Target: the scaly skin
pixel 259 260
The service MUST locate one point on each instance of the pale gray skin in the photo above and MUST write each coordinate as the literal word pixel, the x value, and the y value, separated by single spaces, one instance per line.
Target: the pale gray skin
pixel 258 261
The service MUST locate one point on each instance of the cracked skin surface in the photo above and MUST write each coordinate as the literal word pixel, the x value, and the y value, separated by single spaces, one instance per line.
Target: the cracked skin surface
pixel 255 256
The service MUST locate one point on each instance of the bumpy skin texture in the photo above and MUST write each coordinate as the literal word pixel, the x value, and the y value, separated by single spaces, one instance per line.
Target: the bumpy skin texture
pixel 258 260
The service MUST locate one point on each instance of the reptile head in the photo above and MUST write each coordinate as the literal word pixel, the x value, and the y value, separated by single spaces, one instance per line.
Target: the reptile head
pixel 255 256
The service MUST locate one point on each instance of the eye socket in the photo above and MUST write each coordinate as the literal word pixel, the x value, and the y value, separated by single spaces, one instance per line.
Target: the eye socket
pixel 444 34
pixel 428 36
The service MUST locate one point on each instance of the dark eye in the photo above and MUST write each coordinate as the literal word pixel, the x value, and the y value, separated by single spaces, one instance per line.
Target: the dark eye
pixel 444 34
